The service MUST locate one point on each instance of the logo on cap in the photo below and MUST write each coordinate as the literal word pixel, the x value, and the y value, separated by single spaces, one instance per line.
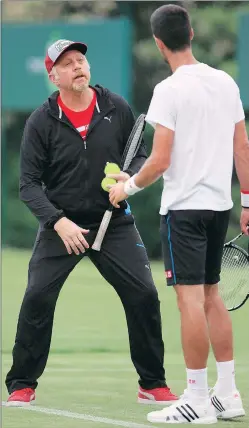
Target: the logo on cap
pixel 62 44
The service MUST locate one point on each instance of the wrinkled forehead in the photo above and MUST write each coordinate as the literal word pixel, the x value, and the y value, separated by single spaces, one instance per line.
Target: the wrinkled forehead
pixel 70 54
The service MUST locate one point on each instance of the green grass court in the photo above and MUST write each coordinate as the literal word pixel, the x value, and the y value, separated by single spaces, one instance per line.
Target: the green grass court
pixel 89 371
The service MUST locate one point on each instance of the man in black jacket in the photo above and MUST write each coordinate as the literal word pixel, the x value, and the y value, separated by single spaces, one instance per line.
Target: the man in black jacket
pixel 66 144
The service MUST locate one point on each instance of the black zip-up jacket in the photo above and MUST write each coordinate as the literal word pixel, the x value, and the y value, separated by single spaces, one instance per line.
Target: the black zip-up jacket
pixel 60 173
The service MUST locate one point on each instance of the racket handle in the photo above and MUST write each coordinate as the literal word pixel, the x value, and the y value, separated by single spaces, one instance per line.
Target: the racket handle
pixel 102 230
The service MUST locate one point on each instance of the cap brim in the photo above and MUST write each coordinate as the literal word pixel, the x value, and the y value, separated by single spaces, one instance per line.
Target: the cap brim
pixel 77 46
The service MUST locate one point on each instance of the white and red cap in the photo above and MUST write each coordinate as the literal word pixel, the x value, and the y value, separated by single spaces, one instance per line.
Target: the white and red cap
pixel 58 48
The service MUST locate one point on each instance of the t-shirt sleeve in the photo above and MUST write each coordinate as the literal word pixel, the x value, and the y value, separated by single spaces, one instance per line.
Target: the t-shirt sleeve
pixel 239 111
pixel 162 109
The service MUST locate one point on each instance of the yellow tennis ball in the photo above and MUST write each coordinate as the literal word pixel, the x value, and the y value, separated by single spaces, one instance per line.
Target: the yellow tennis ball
pixel 111 168
pixel 107 182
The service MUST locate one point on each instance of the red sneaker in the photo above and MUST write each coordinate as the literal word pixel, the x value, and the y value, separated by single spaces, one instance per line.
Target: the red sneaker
pixel 156 396
pixel 21 397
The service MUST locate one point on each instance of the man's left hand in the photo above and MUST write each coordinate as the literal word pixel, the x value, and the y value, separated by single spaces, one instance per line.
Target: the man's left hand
pixel 117 193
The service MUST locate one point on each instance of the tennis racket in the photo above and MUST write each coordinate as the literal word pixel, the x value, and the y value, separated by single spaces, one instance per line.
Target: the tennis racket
pixel 234 283
pixel 130 151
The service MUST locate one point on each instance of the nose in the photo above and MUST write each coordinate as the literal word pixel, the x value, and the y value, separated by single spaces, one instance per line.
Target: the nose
pixel 77 66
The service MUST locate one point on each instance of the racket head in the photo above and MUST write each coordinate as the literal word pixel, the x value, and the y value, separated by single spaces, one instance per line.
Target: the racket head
pixel 133 142
pixel 234 282
pixel 131 148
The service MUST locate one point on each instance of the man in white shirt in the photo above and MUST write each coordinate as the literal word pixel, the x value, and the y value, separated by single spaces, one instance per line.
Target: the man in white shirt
pixel 199 127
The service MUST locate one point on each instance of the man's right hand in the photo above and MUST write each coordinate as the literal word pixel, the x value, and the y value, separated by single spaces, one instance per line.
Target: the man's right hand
pixel 244 221
pixel 71 235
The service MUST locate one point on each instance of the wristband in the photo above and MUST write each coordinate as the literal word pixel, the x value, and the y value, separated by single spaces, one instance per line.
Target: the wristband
pixel 245 198
pixel 130 188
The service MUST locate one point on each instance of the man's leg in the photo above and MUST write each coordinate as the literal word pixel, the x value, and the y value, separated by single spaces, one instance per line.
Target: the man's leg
pixel 226 398
pixel 221 338
pixel 124 263
pixel 195 339
pixel 48 269
pixel 194 329
pixel 184 249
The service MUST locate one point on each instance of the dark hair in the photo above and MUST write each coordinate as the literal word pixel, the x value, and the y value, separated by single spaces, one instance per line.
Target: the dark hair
pixel 171 24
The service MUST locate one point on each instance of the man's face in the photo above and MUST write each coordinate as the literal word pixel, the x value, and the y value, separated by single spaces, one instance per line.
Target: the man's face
pixel 72 72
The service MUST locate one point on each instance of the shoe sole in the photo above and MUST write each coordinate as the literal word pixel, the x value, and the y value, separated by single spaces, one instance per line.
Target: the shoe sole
pixel 19 403
pixel 203 421
pixel 230 414
pixel 160 403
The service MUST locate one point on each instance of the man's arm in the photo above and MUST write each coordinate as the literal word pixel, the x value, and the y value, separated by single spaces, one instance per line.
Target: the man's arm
pixel 241 158
pixel 33 163
pixel 162 116
pixel 33 158
pixel 159 160
pixel 157 163
pixel 241 154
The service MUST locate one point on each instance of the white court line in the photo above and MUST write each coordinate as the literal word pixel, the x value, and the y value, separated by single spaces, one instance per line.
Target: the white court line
pixel 91 418
pixel 75 369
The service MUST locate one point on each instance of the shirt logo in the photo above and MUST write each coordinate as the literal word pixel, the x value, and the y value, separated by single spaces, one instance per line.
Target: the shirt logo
pixel 82 128
pixel 108 118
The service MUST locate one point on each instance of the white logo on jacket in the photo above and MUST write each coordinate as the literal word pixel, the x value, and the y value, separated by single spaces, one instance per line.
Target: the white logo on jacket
pixel 108 118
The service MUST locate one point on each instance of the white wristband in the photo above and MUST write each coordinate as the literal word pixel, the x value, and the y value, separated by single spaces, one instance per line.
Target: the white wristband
pixel 245 198
pixel 130 188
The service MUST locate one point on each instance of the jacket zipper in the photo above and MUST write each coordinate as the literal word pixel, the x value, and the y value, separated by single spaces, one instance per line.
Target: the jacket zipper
pixel 94 123
pixel 102 114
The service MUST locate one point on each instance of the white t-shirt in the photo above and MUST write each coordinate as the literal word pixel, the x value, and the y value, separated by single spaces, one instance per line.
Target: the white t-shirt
pixel 201 105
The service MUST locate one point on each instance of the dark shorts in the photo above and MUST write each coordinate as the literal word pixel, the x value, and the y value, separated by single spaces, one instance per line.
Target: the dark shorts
pixel 192 243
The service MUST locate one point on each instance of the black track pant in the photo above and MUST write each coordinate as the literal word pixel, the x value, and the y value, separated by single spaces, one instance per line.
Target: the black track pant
pixel 123 262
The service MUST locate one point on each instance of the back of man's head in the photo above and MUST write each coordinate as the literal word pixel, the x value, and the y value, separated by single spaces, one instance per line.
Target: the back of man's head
pixel 171 24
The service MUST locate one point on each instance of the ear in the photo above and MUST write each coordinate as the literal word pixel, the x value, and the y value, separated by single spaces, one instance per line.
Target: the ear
pixel 53 79
pixel 89 66
pixel 191 34
pixel 159 43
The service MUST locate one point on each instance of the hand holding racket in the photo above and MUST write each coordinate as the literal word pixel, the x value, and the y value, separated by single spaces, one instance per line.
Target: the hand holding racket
pixel 234 283
pixel 117 194
pixel 132 146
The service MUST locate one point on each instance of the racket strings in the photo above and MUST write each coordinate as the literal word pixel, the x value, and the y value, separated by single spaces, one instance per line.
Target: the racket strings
pixel 133 143
pixel 234 284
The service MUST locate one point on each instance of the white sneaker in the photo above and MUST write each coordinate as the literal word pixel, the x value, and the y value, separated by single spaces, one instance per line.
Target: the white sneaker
pixel 228 407
pixel 185 411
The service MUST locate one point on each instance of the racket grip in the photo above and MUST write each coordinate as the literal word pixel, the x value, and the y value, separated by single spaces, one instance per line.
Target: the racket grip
pixel 102 230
